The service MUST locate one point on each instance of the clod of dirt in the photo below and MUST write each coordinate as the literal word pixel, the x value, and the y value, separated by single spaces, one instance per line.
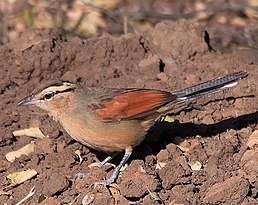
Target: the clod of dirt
pixel 253 140
pixel 231 191
pixel 4 165
pixel 171 152
pixel 175 172
pixel 134 181
pixel 45 146
pixel 54 184
pixel 174 46
pixel 249 162
pixel 183 194
pixel 50 200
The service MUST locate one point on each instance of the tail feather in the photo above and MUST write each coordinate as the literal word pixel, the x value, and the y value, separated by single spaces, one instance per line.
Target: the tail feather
pixel 210 86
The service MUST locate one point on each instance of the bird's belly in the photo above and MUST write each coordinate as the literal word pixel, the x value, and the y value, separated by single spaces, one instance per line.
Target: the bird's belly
pixel 106 137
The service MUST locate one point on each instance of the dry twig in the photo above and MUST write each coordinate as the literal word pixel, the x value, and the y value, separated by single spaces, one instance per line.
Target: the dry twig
pixel 30 194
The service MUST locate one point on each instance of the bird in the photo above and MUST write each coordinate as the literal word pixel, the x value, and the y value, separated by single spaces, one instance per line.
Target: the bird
pixel 115 120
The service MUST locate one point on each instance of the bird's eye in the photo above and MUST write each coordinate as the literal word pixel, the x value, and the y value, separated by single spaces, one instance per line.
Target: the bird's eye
pixel 48 95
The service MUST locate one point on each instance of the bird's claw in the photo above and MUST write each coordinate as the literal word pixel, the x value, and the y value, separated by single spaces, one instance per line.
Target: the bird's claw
pixel 104 182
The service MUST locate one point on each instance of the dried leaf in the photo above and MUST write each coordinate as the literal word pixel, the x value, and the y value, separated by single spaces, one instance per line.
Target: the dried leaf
pixel 160 165
pixel 184 149
pixel 78 153
pixel 167 118
pixel 237 21
pixel 142 169
pixel 182 144
pixel 114 190
pixel 20 177
pixel 105 3
pixel 26 150
pixel 253 3
pixel 119 199
pixel 95 164
pixel 5 193
pixel 196 166
pixel 88 199
pixel 31 132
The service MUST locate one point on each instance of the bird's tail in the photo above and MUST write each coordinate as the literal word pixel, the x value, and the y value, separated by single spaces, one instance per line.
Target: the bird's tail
pixel 211 86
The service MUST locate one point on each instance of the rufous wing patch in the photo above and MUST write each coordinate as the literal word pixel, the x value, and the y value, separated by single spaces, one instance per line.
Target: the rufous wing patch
pixel 132 103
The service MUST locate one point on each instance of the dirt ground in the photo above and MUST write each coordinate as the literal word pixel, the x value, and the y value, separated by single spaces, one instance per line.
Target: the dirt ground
pixel 207 156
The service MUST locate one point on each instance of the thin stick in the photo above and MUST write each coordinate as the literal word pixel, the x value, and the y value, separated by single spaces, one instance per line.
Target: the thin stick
pixel 75 199
pixel 30 194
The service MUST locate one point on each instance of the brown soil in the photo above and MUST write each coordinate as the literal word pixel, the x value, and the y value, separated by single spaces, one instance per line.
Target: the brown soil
pixel 169 57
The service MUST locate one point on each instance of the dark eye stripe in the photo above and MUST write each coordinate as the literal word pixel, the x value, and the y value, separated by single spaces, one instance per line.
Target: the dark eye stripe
pixel 49 95
pixel 65 91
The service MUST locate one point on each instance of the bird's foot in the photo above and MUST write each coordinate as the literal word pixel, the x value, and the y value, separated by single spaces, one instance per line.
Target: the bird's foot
pixel 114 175
pixel 105 182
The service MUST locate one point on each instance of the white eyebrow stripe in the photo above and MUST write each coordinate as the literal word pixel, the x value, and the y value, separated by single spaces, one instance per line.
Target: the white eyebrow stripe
pixel 65 87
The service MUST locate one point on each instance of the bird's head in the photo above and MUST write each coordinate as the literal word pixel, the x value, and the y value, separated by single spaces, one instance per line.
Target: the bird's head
pixel 52 97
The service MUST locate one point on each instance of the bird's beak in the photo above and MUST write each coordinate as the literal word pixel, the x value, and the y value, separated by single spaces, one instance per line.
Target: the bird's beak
pixel 30 100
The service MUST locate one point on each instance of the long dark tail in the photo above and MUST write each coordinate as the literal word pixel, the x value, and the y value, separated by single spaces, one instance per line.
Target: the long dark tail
pixel 211 86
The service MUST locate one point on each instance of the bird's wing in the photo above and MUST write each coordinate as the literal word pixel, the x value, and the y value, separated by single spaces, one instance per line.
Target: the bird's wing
pixel 132 104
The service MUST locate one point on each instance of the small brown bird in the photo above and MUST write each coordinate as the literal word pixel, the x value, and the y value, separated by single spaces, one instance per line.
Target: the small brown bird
pixel 115 120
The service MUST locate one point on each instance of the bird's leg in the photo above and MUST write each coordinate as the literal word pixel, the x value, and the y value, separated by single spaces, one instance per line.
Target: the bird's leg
pixel 114 175
pixel 100 165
